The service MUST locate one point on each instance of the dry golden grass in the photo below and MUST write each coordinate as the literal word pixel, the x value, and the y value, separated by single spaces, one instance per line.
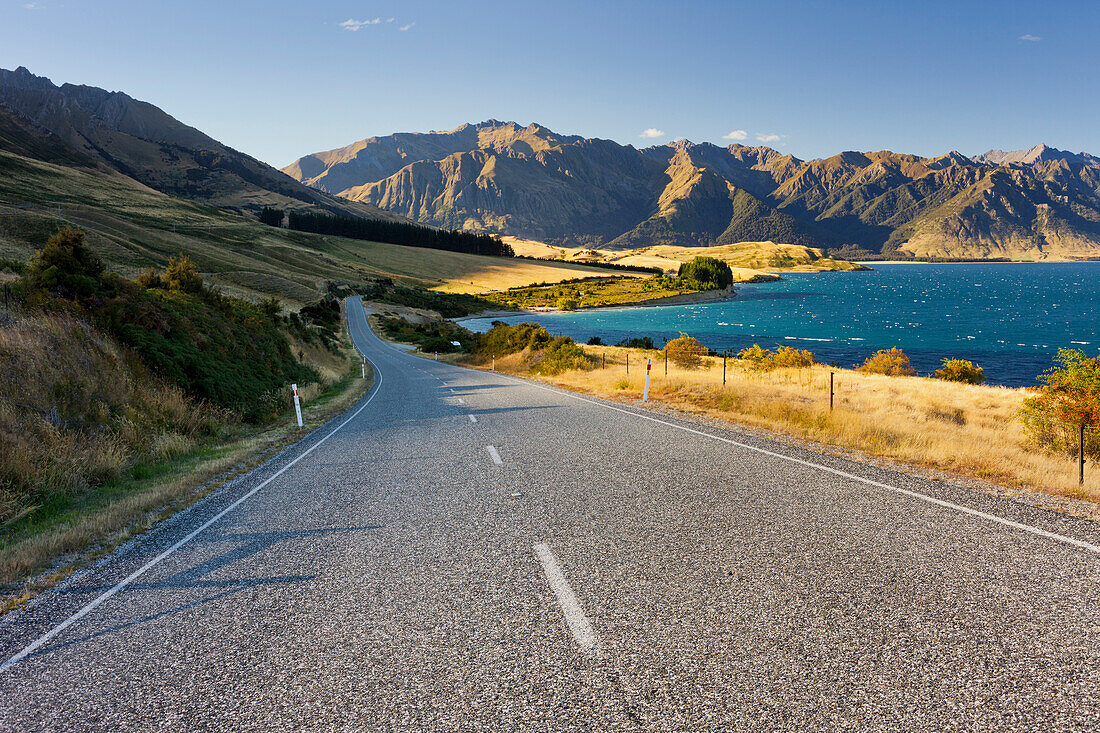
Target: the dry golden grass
pixel 965 429
pixel 750 261
pixel 499 273
pixel 42 555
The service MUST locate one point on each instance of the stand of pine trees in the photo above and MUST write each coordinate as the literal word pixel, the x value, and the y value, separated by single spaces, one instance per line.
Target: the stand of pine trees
pixel 410 235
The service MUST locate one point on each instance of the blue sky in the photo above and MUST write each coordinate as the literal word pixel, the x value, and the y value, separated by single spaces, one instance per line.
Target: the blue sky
pixel 282 79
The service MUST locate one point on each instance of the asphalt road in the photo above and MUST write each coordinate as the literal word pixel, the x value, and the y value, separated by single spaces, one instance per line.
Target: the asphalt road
pixel 468 551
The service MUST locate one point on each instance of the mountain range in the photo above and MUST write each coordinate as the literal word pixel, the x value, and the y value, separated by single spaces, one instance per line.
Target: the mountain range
pixel 86 126
pixel 532 182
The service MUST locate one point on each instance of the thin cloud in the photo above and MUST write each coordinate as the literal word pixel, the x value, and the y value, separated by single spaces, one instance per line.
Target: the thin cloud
pixel 1030 38
pixel 769 137
pixel 735 135
pixel 651 132
pixel 353 25
pixel 406 27
pixel 30 6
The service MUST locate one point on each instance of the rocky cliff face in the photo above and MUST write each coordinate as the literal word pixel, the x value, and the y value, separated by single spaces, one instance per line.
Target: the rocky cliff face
pixel 145 143
pixel 531 182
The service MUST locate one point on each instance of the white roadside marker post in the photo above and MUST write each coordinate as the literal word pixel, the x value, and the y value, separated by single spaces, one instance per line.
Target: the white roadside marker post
pixel 648 367
pixel 297 405
pixel 494 362
pixel 364 369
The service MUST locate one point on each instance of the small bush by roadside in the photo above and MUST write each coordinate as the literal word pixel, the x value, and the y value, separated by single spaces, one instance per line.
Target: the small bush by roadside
pixel 784 356
pixel 431 337
pixel 960 370
pixel 890 362
pixel 686 352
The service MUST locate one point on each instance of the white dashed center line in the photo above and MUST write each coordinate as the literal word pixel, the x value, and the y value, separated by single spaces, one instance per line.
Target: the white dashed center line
pixel 472 418
pixel 574 615
pixel 494 455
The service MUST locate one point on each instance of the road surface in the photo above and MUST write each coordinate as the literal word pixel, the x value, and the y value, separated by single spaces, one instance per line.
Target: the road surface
pixel 465 550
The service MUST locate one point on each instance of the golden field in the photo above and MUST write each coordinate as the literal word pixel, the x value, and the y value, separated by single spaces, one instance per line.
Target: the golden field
pixel 750 261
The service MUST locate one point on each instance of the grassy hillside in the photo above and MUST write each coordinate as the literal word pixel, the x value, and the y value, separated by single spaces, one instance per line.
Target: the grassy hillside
pixel 748 260
pixel 106 383
pixel 132 227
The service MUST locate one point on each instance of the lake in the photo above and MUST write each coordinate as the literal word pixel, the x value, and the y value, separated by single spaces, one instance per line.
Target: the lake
pixel 1009 318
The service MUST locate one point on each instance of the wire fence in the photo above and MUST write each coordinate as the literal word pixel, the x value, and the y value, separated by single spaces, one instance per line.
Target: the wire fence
pixel 1074 442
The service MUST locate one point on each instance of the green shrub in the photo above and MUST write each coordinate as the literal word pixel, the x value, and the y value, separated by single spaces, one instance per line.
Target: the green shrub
pixel 705 273
pixel 215 348
pixel 503 339
pixel 960 370
pixel 567 304
pixel 181 277
pixel 66 266
pixel 784 356
pixel 891 362
pixel 685 352
pixel 433 336
pixel 560 355
pixel 150 279
pixel 548 354
pixel 16 266
pixel 644 342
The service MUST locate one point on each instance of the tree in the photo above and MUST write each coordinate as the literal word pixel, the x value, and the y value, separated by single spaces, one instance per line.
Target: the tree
pixel 1072 391
pixel 66 265
pixel 180 276
pixel 705 273
pixel 272 217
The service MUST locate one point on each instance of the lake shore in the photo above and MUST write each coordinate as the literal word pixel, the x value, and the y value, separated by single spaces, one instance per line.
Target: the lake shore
pixel 705 296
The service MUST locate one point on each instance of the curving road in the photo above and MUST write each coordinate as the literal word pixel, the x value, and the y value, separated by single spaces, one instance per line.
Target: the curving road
pixel 466 550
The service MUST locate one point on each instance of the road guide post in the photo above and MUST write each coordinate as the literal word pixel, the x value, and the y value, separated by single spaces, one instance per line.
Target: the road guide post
pixel 494 362
pixel 297 404
pixel 364 368
pixel 648 367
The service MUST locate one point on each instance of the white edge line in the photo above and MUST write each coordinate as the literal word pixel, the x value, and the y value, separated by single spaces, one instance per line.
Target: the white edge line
pixel 473 419
pixel 35 645
pixel 494 455
pixel 1095 549
pixel 570 607
pixel 837 472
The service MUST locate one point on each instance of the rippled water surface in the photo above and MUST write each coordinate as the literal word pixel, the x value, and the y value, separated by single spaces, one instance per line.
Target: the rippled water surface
pixel 1009 318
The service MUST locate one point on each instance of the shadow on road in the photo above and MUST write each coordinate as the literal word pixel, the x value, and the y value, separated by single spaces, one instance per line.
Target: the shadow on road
pixel 253 543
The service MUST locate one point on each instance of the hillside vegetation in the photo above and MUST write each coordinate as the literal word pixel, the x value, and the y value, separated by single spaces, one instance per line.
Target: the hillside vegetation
pixel 132 227
pixel 106 382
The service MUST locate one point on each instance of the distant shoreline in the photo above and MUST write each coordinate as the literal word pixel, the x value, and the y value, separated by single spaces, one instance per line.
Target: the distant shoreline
pixel 705 296
pixel 976 262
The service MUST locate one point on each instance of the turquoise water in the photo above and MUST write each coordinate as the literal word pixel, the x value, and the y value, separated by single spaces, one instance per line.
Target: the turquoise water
pixel 1009 318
